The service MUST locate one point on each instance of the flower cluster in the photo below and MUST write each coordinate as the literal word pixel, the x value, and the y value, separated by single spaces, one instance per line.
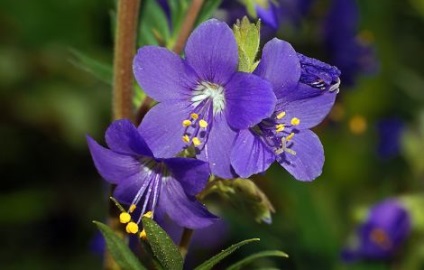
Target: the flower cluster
pixel 235 123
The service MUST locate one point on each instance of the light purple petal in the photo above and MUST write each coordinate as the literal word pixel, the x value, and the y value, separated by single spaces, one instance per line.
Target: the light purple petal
pixel 192 174
pixel 212 51
pixel 218 148
pixel 111 166
pixel 250 155
pixel 307 164
pixel 249 99
pixel 162 128
pixel 280 66
pixel 123 137
pixel 162 74
pixel 185 211
pixel 127 190
pixel 311 108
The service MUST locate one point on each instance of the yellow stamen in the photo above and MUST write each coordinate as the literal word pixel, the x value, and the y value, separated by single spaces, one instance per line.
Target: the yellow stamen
pixel 143 235
pixel 132 208
pixel 196 141
pixel 281 115
pixel 124 217
pixel 290 136
pixel 203 124
pixel 279 128
pixel 194 116
pixel 148 214
pixel 295 121
pixel 186 123
pixel 186 138
pixel 132 227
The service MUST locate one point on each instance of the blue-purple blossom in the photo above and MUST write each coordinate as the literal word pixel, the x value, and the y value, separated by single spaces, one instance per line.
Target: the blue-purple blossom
pixel 306 90
pixel 347 50
pixel 161 185
pixel 203 99
pixel 389 137
pixel 382 234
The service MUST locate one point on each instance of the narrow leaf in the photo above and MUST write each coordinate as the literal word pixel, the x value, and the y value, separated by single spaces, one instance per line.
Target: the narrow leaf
pixel 154 28
pixel 119 249
pixel 223 254
pixel 207 10
pixel 162 246
pixel 100 70
pixel 251 258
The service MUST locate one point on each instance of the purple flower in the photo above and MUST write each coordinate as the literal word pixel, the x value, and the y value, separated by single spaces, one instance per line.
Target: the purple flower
pixel 203 98
pixel 306 90
pixel 389 134
pixel 346 49
pixel 382 234
pixel 163 186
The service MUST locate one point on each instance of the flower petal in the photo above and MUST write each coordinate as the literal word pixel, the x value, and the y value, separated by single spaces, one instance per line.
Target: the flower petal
pixel 123 137
pixel 192 174
pixel 280 66
pixel 162 74
pixel 212 51
pixel 133 186
pixel 250 155
pixel 311 106
pixel 185 211
pixel 112 166
pixel 307 164
pixel 249 100
pixel 162 130
pixel 218 148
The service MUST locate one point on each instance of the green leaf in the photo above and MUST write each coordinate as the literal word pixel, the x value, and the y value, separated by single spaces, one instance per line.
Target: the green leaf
pixel 248 39
pixel 154 27
pixel 119 249
pixel 162 246
pixel 223 254
pixel 251 258
pixel 100 70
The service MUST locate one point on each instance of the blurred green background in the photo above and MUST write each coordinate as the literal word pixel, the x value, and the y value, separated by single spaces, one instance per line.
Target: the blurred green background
pixel 50 191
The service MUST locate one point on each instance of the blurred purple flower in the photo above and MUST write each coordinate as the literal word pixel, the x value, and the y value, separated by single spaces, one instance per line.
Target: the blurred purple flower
pixel 381 235
pixel 203 98
pixel 306 90
pixel 163 186
pixel 389 136
pixel 280 12
pixel 347 50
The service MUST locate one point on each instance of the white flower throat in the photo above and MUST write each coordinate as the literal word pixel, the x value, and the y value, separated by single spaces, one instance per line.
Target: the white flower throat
pixel 211 91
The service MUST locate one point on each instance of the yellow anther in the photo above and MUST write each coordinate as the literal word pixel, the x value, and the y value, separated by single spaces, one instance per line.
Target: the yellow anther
pixel 124 217
pixel 132 208
pixel 290 136
pixel 194 116
pixel 186 138
pixel 295 121
pixel 143 235
pixel 281 115
pixel 279 127
pixel 186 123
pixel 132 227
pixel 196 141
pixel 148 214
pixel 203 124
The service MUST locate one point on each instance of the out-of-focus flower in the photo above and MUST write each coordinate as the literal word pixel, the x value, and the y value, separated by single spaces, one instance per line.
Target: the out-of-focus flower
pixel 163 186
pixel 306 90
pixel 275 13
pixel 389 137
pixel 203 98
pixel 353 53
pixel 382 234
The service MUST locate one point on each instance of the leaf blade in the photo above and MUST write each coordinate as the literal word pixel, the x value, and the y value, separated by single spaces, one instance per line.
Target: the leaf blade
pixel 251 258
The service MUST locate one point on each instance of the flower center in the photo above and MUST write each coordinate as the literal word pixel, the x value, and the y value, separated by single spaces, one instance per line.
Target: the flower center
pixel 279 131
pixel 379 237
pixel 207 91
